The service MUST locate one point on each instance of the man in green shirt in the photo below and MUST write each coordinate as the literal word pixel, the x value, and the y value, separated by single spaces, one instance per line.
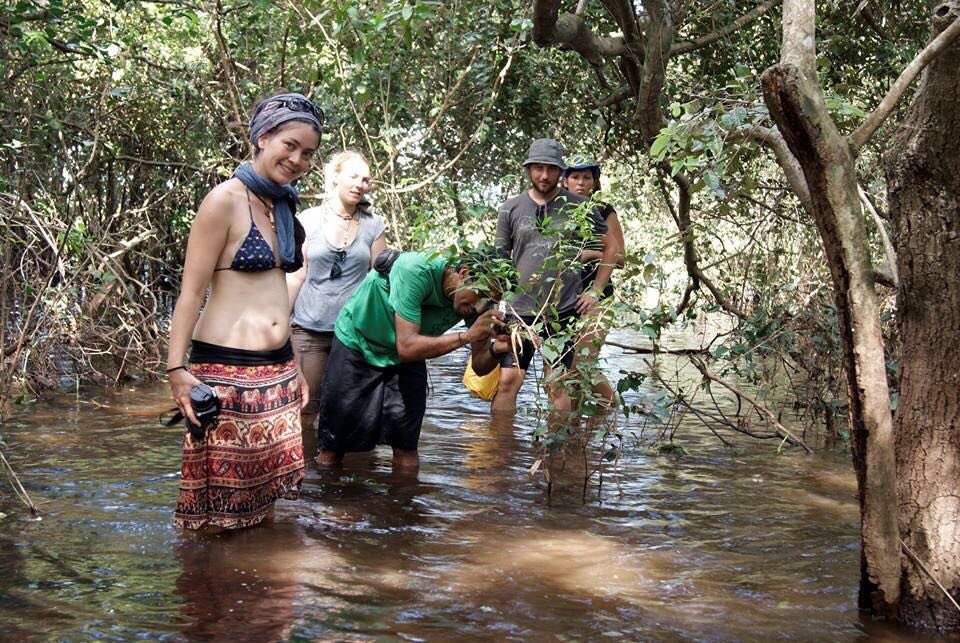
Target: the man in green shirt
pixel 375 388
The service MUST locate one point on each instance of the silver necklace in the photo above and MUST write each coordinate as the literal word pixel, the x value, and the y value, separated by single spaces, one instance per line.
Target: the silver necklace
pixel 343 227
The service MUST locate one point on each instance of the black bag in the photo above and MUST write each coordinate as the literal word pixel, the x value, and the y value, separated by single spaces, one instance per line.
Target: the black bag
pixel 385 260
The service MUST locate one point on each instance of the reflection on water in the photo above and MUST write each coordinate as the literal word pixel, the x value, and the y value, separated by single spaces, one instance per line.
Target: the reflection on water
pixel 722 544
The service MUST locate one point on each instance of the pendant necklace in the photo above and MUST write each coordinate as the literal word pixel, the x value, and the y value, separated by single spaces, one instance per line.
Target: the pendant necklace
pixel 269 209
pixel 344 225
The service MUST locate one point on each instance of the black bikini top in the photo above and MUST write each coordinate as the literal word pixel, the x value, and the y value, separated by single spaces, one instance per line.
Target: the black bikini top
pixel 254 254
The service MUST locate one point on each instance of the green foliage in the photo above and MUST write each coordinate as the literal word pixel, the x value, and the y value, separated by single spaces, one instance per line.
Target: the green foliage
pixel 120 115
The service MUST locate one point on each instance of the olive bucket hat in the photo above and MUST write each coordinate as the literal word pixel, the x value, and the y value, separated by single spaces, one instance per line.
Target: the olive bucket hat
pixel 546 151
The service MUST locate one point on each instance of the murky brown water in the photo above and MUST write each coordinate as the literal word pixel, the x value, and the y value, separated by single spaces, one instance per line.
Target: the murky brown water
pixel 721 544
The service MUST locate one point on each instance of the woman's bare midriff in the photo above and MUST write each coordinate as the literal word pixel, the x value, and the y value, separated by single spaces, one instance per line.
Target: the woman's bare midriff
pixel 246 310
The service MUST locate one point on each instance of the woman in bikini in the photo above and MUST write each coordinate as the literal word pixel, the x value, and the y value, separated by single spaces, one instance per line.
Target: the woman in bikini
pixel 243 240
pixel 342 238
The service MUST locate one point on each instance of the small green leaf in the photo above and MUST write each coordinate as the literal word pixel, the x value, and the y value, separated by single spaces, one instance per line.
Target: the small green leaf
pixel 659 147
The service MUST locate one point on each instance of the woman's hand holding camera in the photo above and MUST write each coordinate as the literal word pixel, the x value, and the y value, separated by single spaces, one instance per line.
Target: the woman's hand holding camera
pixel 181 381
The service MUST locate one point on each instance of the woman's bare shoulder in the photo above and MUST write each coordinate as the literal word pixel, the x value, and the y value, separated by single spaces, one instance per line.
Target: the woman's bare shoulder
pixel 223 201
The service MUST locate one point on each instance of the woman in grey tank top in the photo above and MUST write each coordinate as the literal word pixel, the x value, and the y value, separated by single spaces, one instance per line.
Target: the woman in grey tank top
pixel 342 238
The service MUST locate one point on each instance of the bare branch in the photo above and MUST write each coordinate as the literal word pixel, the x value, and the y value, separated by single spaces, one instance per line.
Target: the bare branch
pixel 762 408
pixel 134 159
pixel 866 13
pixel 441 112
pixel 229 80
pixel 677 395
pixel 873 122
pixel 495 91
pixel 888 277
pixel 614 99
pixel 656 350
pixel 774 140
pixel 703 41
pixel 681 214
pixel 926 571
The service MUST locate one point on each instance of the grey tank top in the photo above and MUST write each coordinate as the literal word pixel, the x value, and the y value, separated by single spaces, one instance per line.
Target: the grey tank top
pixel 321 297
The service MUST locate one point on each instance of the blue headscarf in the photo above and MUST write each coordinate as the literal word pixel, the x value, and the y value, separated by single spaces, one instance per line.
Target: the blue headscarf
pixel 280 109
pixel 285 200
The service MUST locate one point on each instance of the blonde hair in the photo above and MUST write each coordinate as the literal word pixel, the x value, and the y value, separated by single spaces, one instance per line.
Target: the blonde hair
pixel 334 165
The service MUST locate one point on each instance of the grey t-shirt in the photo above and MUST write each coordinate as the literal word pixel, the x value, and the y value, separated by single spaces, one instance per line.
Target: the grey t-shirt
pixel 519 234
pixel 321 297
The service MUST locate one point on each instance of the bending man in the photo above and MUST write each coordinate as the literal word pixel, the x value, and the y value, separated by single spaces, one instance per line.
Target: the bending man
pixel 375 389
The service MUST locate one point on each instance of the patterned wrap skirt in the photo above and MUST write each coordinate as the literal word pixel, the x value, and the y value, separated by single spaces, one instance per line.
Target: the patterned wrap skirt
pixel 253 452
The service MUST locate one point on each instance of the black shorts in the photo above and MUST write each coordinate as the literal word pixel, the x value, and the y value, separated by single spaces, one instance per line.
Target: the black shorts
pixel 362 406
pixel 525 352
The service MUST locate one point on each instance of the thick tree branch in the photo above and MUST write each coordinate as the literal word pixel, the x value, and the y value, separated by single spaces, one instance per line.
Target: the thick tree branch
pixel 552 28
pixel 624 14
pixel 621 95
pixel 648 114
pixel 799 37
pixel 862 135
pixel 703 41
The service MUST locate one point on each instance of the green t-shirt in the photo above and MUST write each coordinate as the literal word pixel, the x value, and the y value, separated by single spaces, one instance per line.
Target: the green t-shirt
pixel 414 291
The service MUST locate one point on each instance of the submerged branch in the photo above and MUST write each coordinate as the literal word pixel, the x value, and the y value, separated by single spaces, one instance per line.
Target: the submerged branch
pixel 762 408
pixel 656 351
pixel 18 489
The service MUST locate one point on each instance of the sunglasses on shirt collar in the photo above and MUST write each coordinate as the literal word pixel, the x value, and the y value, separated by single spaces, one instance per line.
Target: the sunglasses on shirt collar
pixel 337 269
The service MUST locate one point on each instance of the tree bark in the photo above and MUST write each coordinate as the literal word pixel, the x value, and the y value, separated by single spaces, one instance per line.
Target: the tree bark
pixel 796 103
pixel 923 177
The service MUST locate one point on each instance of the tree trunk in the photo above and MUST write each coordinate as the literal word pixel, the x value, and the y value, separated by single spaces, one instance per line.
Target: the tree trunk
pixel 795 100
pixel 923 177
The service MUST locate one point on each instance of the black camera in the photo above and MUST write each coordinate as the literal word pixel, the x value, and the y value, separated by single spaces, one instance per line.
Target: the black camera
pixel 206 406
pixel 508 325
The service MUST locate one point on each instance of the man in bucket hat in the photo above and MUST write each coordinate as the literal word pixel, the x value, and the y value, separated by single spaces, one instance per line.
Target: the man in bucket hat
pixel 532 228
